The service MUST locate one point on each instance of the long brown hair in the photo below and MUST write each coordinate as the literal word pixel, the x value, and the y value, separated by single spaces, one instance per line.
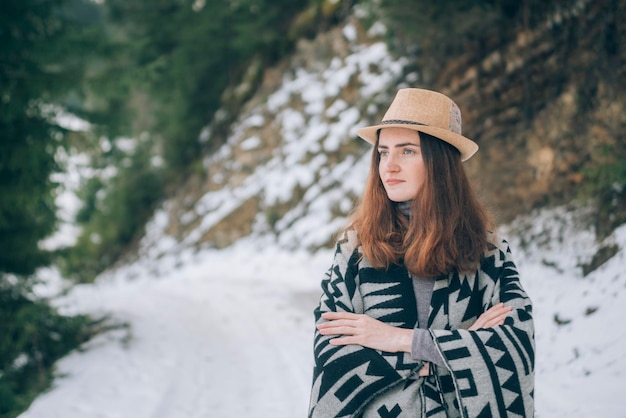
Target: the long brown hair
pixel 447 228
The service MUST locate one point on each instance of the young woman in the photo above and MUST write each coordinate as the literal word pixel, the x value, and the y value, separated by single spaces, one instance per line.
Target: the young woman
pixel 422 312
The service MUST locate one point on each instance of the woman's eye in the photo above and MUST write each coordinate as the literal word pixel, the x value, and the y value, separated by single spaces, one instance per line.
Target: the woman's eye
pixel 409 151
pixel 383 153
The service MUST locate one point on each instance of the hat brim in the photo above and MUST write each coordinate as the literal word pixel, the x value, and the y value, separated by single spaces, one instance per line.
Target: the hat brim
pixel 466 146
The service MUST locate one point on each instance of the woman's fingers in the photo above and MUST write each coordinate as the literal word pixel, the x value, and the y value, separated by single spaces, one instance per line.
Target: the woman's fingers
pixel 343 341
pixel 492 317
pixel 331 316
pixel 363 330
pixel 496 312
pixel 425 370
pixel 339 323
pixel 334 330
pixel 336 323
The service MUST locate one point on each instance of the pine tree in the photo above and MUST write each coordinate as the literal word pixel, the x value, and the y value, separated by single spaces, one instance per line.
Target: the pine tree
pixel 43 47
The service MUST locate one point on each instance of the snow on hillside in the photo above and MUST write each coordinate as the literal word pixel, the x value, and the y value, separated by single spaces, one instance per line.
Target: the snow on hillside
pixel 228 333
pixel 580 334
pixel 294 140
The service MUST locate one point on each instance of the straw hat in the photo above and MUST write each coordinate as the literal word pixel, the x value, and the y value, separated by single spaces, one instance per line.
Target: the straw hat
pixel 424 111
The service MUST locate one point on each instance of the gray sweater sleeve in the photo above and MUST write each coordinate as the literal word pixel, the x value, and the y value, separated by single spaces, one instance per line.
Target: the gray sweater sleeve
pixel 423 347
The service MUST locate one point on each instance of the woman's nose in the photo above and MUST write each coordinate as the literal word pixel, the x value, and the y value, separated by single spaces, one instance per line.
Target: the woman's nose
pixel 391 165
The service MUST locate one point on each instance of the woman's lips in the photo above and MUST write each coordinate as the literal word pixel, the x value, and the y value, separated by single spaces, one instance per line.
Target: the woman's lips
pixel 393 182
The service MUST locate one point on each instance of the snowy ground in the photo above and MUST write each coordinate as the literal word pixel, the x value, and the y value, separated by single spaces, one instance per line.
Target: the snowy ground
pixel 227 333
pixel 213 338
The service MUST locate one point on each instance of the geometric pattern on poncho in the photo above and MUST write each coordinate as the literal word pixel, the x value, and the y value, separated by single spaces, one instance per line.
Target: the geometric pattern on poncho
pixel 488 373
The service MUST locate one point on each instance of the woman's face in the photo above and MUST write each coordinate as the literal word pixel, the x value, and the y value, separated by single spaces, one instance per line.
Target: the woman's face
pixel 401 166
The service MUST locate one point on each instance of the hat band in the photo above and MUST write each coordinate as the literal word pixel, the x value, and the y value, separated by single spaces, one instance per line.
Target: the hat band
pixel 401 122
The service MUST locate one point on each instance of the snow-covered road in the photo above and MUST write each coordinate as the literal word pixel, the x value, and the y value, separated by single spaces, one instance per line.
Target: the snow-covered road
pixel 201 345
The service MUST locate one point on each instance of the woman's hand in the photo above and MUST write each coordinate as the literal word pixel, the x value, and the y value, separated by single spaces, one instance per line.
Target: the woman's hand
pixel 365 331
pixel 492 317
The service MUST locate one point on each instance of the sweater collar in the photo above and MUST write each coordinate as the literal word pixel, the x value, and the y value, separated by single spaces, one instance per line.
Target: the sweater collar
pixel 405 207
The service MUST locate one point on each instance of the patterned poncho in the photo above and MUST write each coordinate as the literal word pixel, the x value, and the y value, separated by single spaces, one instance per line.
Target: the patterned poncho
pixel 488 373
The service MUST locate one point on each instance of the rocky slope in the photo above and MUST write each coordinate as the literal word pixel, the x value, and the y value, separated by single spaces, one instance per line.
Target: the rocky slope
pixel 545 106
pixel 539 106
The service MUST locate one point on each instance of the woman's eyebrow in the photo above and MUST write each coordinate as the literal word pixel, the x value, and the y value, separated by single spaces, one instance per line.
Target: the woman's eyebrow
pixel 404 144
